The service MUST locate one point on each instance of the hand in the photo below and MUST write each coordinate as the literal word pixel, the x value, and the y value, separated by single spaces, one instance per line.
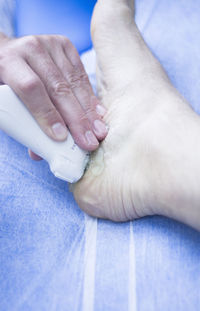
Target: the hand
pixel 47 74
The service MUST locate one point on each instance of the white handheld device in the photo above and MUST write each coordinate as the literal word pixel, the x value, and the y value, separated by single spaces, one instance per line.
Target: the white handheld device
pixel 66 160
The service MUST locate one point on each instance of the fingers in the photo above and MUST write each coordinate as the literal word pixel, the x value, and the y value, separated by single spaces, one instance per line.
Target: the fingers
pixel 66 58
pixel 75 74
pixel 48 76
pixel 26 83
pixel 65 101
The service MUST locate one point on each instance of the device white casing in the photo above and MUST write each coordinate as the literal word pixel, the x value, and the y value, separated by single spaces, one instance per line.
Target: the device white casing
pixel 66 160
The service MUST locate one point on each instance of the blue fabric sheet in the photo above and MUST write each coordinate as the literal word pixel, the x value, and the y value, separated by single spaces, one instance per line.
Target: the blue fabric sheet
pixel 53 257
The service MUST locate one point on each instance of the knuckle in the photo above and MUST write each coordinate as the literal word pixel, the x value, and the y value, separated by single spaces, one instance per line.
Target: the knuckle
pixel 77 78
pixel 56 40
pixel 33 42
pixel 74 80
pixel 60 88
pixel 52 39
pixel 84 78
pixel 65 41
pixel 29 85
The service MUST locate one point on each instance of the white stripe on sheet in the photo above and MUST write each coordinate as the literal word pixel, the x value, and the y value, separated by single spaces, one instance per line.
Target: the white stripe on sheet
pixel 132 273
pixel 89 264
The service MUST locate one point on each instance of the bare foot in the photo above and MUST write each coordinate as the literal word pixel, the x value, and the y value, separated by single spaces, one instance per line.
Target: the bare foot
pixel 150 161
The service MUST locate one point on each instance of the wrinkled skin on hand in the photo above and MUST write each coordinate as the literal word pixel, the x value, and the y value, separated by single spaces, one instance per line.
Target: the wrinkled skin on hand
pixel 47 74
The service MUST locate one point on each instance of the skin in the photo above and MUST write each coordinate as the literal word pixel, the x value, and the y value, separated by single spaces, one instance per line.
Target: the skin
pixel 47 74
pixel 149 163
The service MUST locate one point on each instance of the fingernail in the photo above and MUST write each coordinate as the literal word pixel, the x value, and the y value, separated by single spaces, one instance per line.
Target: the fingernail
pixel 59 131
pixel 101 110
pixel 100 127
pixel 91 139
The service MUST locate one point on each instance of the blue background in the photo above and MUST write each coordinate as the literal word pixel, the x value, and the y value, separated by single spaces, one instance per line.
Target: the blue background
pixel 70 18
